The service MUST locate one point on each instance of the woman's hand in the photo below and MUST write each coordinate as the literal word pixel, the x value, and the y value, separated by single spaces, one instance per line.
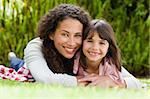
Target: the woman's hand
pixel 101 81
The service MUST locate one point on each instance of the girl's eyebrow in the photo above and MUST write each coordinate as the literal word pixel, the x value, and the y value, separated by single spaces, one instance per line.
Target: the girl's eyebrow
pixel 89 38
pixel 103 40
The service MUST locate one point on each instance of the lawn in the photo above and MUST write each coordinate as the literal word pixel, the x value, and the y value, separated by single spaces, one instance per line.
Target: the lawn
pixel 19 90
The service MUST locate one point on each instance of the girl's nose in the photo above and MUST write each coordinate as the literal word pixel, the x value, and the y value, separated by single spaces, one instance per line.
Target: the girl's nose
pixel 95 46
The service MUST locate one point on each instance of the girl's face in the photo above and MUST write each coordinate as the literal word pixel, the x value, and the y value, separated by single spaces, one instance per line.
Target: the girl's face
pixel 95 48
pixel 68 37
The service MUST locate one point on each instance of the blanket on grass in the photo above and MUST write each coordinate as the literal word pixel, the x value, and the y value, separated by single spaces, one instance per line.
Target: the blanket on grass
pixel 23 74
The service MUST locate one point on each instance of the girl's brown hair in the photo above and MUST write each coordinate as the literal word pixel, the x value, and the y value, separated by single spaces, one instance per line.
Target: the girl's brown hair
pixel 105 32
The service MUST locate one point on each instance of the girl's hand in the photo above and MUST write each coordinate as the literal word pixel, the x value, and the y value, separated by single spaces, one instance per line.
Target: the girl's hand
pixel 101 81
pixel 81 83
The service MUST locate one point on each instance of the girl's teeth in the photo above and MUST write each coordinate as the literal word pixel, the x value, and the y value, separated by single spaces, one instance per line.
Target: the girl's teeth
pixel 91 53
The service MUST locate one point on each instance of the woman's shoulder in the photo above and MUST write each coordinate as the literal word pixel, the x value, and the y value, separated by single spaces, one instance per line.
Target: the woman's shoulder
pixel 34 44
pixel 36 40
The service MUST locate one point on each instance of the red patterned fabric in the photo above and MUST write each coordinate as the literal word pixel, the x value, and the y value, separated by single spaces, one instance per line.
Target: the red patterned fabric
pixel 23 74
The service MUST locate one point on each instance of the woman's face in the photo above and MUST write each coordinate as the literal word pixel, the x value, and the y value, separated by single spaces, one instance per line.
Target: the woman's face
pixel 68 37
pixel 95 48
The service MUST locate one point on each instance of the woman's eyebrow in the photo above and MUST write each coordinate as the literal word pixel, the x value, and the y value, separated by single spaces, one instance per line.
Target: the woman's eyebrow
pixel 69 32
pixel 78 33
pixel 65 31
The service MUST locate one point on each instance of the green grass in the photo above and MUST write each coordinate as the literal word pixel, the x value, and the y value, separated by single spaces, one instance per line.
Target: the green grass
pixel 19 90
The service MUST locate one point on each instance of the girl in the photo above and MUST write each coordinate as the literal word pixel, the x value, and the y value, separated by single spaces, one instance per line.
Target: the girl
pixel 100 54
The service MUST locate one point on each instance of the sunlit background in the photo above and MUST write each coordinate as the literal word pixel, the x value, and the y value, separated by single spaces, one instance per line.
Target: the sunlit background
pixel 129 18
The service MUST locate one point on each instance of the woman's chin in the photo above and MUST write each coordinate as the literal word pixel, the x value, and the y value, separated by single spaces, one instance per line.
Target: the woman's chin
pixel 69 56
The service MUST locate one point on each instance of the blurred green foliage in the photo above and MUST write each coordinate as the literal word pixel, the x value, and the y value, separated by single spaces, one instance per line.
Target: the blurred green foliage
pixel 129 18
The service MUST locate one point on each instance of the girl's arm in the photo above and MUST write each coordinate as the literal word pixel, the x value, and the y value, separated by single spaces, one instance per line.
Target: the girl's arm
pixel 130 80
pixel 106 81
pixel 37 65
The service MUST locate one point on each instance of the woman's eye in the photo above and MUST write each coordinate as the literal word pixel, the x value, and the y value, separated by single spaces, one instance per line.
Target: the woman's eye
pixel 65 34
pixel 78 35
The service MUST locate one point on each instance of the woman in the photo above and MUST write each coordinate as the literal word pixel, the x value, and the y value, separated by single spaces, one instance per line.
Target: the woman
pixel 50 56
pixel 60 37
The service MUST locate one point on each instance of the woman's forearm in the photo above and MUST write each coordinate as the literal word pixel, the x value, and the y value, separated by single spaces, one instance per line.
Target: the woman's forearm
pixel 130 80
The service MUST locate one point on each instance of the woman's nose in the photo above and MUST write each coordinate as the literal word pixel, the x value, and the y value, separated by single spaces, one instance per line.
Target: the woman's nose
pixel 71 41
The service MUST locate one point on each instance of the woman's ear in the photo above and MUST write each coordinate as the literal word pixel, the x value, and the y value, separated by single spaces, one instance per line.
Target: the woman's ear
pixel 51 37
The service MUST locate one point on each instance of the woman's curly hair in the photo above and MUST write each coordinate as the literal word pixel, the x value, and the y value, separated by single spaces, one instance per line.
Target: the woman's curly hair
pixel 47 26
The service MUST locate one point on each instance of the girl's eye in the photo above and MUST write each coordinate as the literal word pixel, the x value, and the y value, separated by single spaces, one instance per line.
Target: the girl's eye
pixel 102 43
pixel 89 41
